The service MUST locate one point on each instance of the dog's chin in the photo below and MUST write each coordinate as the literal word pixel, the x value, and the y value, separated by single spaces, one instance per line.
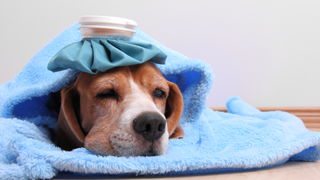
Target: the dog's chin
pixel 125 144
pixel 138 146
pixel 150 151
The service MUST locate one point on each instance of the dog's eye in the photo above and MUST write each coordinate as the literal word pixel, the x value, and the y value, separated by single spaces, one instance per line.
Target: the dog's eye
pixel 159 94
pixel 108 94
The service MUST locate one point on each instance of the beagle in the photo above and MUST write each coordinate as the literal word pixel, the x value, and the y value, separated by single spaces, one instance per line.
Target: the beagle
pixel 125 111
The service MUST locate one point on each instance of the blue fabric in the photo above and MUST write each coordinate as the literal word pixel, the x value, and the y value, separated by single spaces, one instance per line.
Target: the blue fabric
pixel 242 139
pixel 94 55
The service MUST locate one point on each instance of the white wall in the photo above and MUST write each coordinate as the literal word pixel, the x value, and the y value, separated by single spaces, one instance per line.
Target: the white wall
pixel 267 52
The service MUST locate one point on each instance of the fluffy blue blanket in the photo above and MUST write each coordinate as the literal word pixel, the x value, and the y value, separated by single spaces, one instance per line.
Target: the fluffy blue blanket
pixel 244 138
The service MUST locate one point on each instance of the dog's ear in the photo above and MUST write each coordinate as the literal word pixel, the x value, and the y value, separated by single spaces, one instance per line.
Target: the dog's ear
pixel 54 103
pixel 174 108
pixel 69 132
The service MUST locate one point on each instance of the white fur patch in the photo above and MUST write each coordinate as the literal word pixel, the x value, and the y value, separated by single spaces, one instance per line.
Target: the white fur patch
pixel 136 103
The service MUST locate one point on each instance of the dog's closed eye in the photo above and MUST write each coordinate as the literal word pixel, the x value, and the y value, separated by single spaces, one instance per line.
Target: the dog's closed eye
pixel 110 93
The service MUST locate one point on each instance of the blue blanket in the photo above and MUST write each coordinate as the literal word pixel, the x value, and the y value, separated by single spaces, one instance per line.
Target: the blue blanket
pixel 244 138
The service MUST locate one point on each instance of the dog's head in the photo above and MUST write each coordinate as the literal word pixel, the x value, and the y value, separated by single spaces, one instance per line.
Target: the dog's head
pixel 126 111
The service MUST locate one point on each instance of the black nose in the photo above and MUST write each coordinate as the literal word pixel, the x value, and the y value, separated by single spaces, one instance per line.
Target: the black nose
pixel 150 125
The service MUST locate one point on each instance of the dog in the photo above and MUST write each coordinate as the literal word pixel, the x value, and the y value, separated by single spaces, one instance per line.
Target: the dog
pixel 125 111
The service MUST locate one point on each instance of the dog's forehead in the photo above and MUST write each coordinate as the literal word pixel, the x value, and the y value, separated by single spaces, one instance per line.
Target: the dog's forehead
pixel 145 68
pixel 147 73
pixel 110 76
pixel 143 75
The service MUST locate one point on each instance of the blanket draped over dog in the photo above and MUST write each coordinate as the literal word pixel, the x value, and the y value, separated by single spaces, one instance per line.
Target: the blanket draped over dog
pixel 244 138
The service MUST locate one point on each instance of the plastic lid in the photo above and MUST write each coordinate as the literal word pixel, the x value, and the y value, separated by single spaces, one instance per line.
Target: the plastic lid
pixel 107 22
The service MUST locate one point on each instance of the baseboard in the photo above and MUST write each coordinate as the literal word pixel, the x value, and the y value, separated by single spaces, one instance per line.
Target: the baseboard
pixel 309 115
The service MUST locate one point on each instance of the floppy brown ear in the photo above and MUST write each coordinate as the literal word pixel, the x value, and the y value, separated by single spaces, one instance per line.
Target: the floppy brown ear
pixel 69 132
pixel 174 108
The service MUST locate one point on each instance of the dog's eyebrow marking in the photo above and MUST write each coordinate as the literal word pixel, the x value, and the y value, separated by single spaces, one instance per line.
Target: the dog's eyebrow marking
pixel 111 80
pixel 104 84
pixel 139 100
pixel 155 81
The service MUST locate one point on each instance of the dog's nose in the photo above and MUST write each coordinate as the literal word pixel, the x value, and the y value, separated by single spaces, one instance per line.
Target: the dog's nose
pixel 150 125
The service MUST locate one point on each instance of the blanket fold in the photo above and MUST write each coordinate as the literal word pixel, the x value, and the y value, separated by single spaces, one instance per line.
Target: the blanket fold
pixel 243 138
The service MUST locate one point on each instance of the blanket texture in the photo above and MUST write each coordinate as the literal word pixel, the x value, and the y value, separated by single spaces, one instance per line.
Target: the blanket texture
pixel 244 138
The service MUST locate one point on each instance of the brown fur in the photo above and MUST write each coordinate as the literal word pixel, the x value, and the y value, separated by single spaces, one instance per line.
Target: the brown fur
pixel 87 121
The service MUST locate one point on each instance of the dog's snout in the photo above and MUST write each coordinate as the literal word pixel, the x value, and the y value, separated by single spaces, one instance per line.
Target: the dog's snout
pixel 150 125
